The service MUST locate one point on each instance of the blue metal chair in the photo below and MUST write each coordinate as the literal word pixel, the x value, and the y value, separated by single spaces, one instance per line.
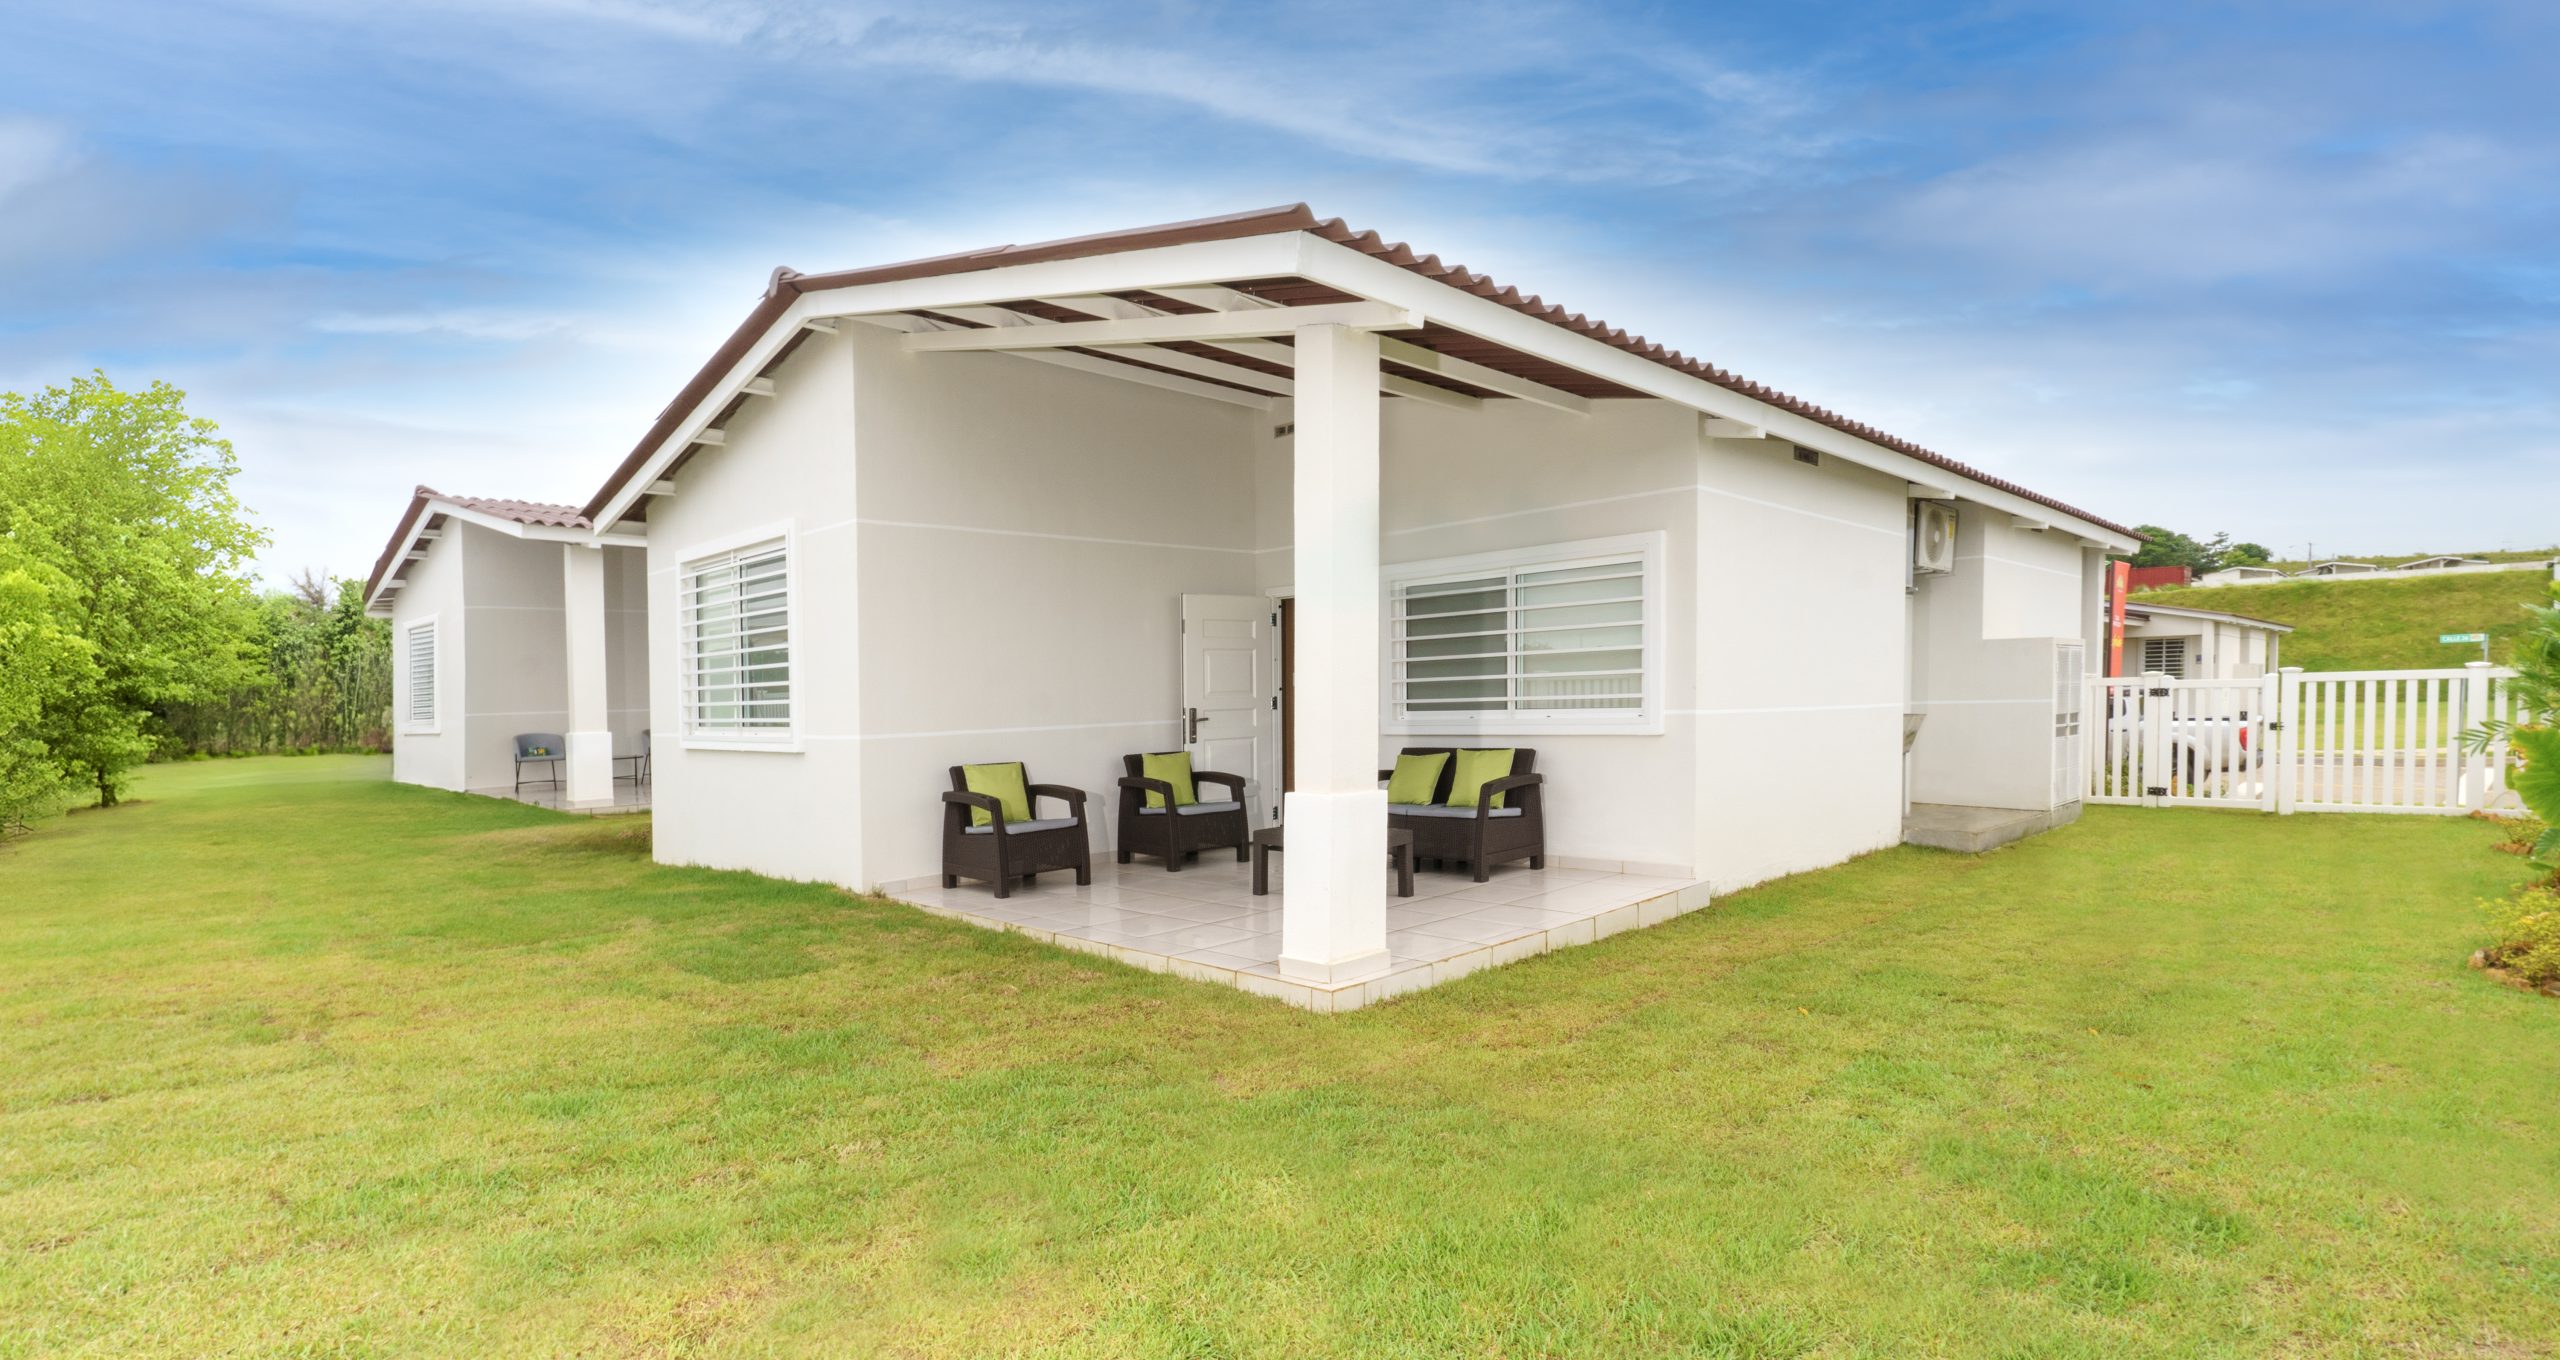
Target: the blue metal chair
pixel 537 748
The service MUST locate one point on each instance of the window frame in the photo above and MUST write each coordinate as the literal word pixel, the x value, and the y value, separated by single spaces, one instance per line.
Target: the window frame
pixel 433 723
pixel 2177 645
pixel 1644 550
pixel 689 562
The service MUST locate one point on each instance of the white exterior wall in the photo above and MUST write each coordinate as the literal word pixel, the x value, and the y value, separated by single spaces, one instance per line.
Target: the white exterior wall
pixel 1028 532
pixel 1515 476
pixel 2216 649
pixel 502 654
pixel 989 554
pixel 433 589
pixel 1980 676
pixel 789 810
pixel 1802 652
pixel 517 678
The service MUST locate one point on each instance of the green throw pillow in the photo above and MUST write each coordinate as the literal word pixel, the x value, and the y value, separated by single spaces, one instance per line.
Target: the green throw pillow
pixel 1173 767
pixel 1006 783
pixel 1416 778
pixel 1475 770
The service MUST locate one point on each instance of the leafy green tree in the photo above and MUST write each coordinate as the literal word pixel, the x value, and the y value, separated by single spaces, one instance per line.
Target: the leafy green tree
pixel 36 659
pixel 122 505
pixel 2169 548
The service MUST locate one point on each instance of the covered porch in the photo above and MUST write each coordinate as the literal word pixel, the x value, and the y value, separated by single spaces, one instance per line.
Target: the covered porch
pixel 1205 923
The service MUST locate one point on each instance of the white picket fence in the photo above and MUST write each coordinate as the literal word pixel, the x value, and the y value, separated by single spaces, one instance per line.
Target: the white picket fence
pixel 2299 741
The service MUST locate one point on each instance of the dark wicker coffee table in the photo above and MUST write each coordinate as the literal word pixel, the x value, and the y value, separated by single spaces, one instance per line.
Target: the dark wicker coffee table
pixel 1267 843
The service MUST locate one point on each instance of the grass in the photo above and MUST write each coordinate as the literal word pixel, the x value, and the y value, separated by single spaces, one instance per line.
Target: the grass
pixel 299 1062
pixel 2347 624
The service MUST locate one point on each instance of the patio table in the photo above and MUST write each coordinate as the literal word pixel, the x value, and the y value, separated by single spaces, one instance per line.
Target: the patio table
pixel 1267 843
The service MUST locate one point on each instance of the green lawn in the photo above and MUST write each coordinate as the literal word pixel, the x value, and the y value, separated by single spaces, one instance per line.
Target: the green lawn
pixel 2346 624
pixel 299 1062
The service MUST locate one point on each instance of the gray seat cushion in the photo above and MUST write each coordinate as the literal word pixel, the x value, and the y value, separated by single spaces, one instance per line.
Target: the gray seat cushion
pixel 1442 810
pixel 1194 809
pixel 1020 828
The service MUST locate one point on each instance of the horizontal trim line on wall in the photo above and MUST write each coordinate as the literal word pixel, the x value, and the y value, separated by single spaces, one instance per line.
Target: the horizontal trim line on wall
pixel 2013 562
pixel 1009 731
pixel 1952 703
pixel 1788 708
pixel 1889 531
pixel 1064 538
pixel 1545 510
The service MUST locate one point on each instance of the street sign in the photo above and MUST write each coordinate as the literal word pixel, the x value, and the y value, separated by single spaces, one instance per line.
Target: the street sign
pixel 2462 637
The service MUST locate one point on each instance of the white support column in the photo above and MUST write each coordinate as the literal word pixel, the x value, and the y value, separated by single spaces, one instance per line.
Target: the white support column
pixel 589 768
pixel 1333 906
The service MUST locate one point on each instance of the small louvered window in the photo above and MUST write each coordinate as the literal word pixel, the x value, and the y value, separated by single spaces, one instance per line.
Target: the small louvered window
pixel 422 674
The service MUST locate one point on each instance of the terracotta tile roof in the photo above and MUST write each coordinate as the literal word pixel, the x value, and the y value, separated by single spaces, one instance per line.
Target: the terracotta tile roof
pixel 521 512
pixel 787 285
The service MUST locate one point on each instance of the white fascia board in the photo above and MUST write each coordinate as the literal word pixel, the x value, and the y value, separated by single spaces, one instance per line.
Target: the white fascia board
pixel 1324 262
pixel 792 321
pixel 1196 264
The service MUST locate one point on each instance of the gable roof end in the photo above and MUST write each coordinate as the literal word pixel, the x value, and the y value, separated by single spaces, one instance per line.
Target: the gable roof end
pixel 786 285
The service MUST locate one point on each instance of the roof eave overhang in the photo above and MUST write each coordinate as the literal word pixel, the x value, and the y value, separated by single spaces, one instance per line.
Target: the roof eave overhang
pixel 797 302
pixel 1354 272
pixel 424 511
pixel 780 318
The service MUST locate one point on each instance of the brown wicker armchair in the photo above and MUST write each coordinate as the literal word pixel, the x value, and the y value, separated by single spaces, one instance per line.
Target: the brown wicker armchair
pixel 1180 833
pixel 1001 853
pixel 1479 836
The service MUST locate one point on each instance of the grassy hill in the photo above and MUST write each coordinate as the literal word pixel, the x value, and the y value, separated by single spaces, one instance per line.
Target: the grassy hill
pixel 2346 624
pixel 2404 559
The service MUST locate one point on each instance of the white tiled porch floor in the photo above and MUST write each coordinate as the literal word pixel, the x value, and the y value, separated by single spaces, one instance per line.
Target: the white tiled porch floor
pixel 1205 922
pixel 627 797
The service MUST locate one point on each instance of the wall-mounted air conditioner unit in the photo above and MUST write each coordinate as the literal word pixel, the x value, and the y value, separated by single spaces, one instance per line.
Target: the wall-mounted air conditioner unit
pixel 1933 538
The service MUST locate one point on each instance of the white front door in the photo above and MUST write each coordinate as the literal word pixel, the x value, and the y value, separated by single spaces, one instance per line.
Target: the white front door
pixel 1230 691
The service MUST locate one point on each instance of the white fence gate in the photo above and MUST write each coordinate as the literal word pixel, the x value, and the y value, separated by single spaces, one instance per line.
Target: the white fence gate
pixel 2330 741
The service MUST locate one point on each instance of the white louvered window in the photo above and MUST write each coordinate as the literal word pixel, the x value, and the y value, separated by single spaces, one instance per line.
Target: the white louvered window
pixel 2165 655
pixel 420 658
pixel 734 616
pixel 1559 638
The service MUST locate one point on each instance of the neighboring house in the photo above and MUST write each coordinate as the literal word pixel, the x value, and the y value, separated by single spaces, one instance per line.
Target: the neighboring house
pixel 1062 502
pixel 2238 575
pixel 2199 644
pixel 486 646
pixel 2442 563
pixel 2338 568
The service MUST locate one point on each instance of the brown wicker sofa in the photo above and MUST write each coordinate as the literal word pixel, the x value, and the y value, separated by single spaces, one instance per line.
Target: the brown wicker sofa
pixel 1180 833
pixel 1481 836
pixel 1000 853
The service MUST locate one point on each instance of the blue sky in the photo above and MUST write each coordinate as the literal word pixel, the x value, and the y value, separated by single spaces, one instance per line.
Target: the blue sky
pixel 2286 270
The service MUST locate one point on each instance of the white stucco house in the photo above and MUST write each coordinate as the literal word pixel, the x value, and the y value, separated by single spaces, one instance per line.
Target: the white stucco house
pixel 2241 575
pixel 2200 644
pixel 512 617
pixel 2339 567
pixel 1215 486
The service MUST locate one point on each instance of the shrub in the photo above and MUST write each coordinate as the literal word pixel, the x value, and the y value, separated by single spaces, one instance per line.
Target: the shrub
pixel 2516 834
pixel 2527 926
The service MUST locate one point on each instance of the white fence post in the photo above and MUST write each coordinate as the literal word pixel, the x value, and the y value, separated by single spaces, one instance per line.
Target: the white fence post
pixel 2285 748
pixel 2478 767
pixel 2270 733
pixel 2155 771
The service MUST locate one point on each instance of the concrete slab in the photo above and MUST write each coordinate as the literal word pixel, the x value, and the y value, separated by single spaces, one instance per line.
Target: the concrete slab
pixel 1972 830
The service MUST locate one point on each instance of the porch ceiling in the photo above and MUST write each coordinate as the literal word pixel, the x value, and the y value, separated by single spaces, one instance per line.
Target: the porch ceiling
pixel 1429 362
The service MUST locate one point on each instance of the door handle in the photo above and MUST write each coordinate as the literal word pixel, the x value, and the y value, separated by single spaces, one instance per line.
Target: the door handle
pixel 1191 721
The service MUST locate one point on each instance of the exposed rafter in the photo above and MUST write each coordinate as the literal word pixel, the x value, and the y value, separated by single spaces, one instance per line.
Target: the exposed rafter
pixel 1149 330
